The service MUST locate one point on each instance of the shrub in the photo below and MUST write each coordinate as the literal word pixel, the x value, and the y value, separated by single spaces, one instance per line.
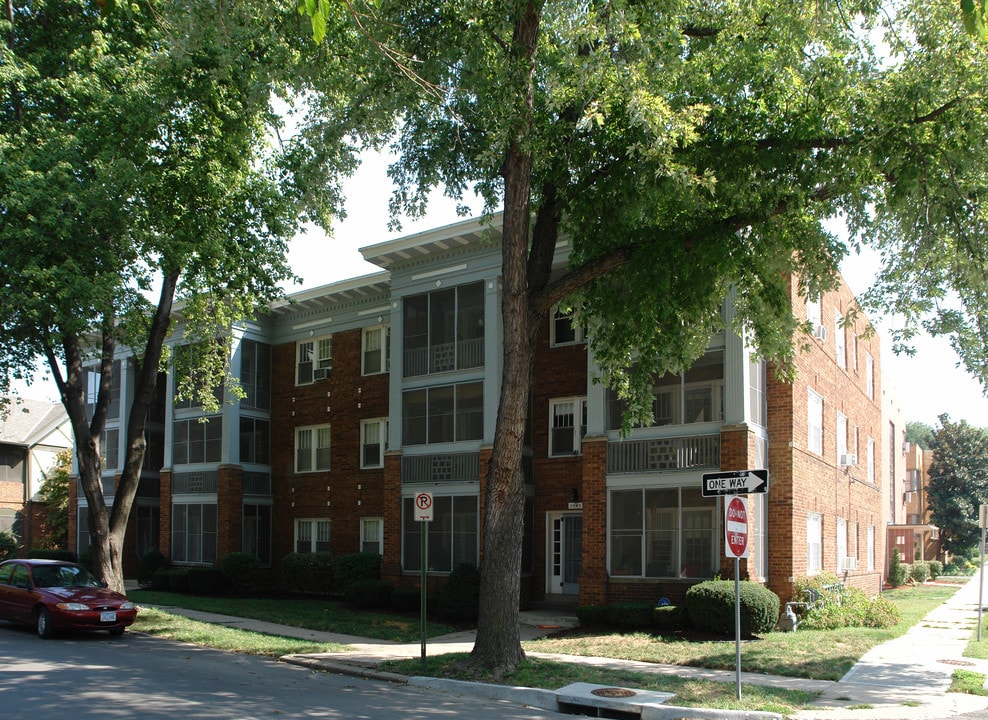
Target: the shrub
pixel 239 569
pixel 8 544
pixel 368 594
pixel 897 573
pixel 178 580
pixel 669 617
pixel 920 571
pixel 459 597
pixel 356 566
pixel 630 616
pixel 49 554
pixel 591 615
pixel 151 562
pixel 406 600
pixel 852 609
pixel 936 569
pixel 710 606
pixel 308 573
pixel 205 581
pixel 882 613
pixel 161 580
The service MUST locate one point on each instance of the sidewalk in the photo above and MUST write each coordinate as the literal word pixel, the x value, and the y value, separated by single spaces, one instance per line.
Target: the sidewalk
pixel 906 678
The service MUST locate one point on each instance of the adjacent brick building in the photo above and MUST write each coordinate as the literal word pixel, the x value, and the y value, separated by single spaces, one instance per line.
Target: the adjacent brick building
pixel 363 394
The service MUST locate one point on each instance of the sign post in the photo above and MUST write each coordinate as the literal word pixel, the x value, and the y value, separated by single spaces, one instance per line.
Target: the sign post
pixel 424 514
pixel 982 521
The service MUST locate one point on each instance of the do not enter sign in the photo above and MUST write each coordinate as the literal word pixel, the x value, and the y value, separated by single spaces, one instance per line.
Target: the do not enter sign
pixel 736 527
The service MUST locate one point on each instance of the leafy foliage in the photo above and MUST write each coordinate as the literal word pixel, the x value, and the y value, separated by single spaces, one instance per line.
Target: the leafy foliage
pixel 958 482
pixel 710 605
pixel 898 572
pixel 55 492
pixel 8 544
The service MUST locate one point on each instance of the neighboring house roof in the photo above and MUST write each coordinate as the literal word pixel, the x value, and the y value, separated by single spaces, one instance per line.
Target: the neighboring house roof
pixel 29 422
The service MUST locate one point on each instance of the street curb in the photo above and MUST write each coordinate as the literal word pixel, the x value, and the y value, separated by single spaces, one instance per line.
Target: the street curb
pixel 524 696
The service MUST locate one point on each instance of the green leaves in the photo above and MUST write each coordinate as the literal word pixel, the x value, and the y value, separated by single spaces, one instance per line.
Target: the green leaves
pixel 975 18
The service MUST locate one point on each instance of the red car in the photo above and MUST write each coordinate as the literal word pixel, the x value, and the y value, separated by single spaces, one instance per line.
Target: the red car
pixel 54 595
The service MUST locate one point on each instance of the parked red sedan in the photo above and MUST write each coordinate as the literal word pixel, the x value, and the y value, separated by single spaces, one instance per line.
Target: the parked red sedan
pixel 54 595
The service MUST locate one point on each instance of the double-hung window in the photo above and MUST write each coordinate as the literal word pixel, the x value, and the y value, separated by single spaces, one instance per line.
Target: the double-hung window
pixel 376 355
pixel 814 543
pixel 312 535
pixel 568 418
pixel 312 448
pixel 373 442
pixel 564 330
pixel 314 360
pixel 255 374
pixel 814 422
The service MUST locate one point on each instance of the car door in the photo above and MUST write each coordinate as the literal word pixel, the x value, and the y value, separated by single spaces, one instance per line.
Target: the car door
pixel 5 591
pixel 16 597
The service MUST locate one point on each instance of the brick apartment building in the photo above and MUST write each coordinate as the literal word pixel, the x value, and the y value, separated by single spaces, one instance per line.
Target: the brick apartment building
pixel 364 393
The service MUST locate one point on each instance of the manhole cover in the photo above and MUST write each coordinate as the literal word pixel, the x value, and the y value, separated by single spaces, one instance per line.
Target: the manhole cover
pixel 963 663
pixel 612 692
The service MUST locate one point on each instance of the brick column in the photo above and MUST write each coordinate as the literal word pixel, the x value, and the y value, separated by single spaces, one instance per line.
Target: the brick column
pixel 593 575
pixel 165 513
pixel 229 510
pixel 391 511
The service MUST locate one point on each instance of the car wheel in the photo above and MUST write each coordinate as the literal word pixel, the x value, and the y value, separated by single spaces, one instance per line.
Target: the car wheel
pixel 44 626
pixel 117 631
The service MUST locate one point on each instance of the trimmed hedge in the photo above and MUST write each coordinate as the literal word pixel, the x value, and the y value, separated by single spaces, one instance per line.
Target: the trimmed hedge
pixel 368 594
pixel 710 606
pixel 308 573
pixel 178 580
pixel 667 618
pixel 630 616
pixel 239 569
pixel 459 598
pixel 205 581
pixel 354 567
pixel 151 562
pixel 592 615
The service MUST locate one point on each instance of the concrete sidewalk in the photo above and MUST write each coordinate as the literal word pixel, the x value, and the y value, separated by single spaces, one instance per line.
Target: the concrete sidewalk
pixel 906 678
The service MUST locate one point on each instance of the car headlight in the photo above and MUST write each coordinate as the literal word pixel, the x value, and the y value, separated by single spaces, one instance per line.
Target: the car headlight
pixel 72 606
pixel 127 605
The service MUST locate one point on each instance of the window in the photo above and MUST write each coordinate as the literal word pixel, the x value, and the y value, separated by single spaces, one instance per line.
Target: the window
pixel 841 542
pixel 376 357
pixel 91 381
pixel 869 375
pixel 373 442
pixel 453 533
pixel 196 441
pixel 871 547
pixel 694 396
pixel 814 422
pixel 312 448
pixel 564 331
pixel 314 360
pixel 840 342
pixel 446 413
pixel 841 437
pixel 662 532
pixel 255 441
pixel 255 374
pixel 12 464
pixel 854 349
pixel 813 314
pixel 372 535
pixel 568 420
pixel 312 536
pixel 8 518
pixel 444 330
pixel 194 533
pixel 870 445
pixel 814 543
pixel 756 389
pixel 257 532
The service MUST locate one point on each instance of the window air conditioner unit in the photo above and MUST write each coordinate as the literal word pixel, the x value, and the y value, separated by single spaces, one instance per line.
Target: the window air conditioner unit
pixel 906 447
pixel 848 459
pixel 322 373
pixel 848 563
pixel 820 332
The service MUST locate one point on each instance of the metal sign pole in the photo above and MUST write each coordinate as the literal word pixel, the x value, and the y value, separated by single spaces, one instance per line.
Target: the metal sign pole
pixel 424 544
pixel 737 623
pixel 982 518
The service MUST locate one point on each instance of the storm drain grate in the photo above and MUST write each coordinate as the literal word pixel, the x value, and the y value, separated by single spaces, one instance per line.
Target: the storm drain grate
pixel 962 663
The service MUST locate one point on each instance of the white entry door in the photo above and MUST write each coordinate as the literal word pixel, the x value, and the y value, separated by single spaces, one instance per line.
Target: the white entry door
pixel 565 553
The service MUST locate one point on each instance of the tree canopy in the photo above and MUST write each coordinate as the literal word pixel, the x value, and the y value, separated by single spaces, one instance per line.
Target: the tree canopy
pixel 687 150
pixel 958 482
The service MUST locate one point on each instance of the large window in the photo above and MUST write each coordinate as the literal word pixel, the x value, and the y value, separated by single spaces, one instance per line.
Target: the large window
pixel 194 533
pixel 564 330
pixel 373 442
pixel 841 443
pixel 197 441
pixel 312 535
pixel 869 375
pixel 840 342
pixel 447 413
pixel 376 354
pixel 110 448
pixel 255 374
pixel 444 330
pixel 691 397
pixel 255 441
pixel 871 547
pixel 372 535
pixel 12 464
pixel 841 543
pixel 870 445
pixel 568 425
pixel 814 422
pixel 662 533
pixel 813 314
pixel 814 543
pixel 453 533
pixel 312 448
pixel 91 380
pixel 314 360
pixel 257 532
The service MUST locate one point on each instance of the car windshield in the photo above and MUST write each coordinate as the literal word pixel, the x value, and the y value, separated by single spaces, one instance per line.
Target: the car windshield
pixel 64 576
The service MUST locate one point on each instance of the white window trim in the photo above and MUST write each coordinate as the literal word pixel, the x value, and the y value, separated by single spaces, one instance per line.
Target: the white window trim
pixel 841 436
pixel 364 521
pixel 870 445
pixel 840 342
pixel 579 333
pixel 315 525
pixel 313 448
pixel 322 364
pixel 814 421
pixel 870 375
pixel 814 545
pixel 579 413
pixel 385 332
pixel 814 311
pixel 382 424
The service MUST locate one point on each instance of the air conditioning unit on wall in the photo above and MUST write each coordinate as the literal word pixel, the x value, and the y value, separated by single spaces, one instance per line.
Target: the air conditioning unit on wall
pixel 848 563
pixel 847 459
pixel 820 332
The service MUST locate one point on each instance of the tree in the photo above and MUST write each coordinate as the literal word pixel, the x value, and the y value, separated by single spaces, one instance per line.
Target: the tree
pixel 55 493
pixel 958 482
pixel 919 433
pixel 136 163
pixel 688 150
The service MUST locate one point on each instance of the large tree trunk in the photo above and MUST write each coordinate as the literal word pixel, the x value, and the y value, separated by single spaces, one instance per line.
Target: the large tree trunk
pixel 498 646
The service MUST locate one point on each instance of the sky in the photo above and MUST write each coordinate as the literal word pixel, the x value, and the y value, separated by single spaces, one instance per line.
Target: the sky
pixel 927 384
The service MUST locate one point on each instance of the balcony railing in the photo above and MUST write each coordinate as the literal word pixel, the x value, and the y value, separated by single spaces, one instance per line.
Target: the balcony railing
pixel 444 357
pixel 657 454
pixel 257 483
pixel 194 483
pixel 445 467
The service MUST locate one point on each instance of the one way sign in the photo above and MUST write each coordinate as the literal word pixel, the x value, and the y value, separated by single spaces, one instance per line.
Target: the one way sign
pixel 735 482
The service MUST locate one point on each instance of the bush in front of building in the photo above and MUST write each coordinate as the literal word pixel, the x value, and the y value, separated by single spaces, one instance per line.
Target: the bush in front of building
pixel 852 608
pixel 630 616
pixel 897 571
pixel 205 581
pixel 591 615
pixel 151 562
pixel 368 594
pixel 178 580
pixel 936 569
pixel 670 618
pixel 8 544
pixel 354 567
pixel 308 573
pixel 710 606
pixel 459 597
pixel 920 571
pixel 239 570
